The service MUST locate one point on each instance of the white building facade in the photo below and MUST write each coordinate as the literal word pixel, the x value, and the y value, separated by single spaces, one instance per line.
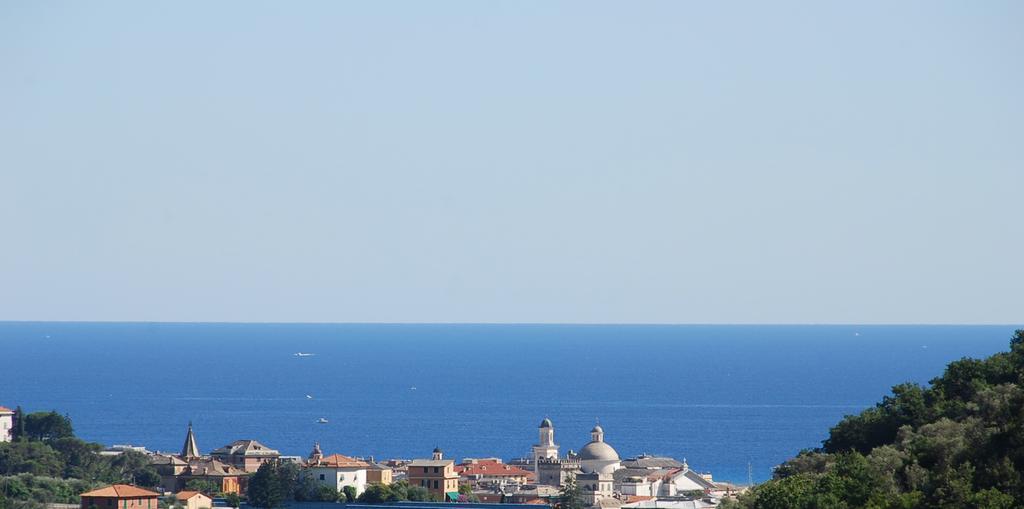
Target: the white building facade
pixel 338 471
pixel 6 424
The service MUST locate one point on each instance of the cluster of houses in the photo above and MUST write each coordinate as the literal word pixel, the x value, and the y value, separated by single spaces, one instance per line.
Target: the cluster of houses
pixel 605 480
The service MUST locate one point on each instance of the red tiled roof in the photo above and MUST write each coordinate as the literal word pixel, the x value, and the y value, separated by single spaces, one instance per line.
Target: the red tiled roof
pixel 340 461
pixel 120 490
pixel 637 498
pixel 5 410
pixel 490 468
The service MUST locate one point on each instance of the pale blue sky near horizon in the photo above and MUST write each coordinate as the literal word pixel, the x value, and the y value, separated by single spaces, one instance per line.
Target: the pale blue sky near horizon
pixel 597 162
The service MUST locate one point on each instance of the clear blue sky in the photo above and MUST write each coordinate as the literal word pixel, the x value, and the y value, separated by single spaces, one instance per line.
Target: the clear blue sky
pixel 713 162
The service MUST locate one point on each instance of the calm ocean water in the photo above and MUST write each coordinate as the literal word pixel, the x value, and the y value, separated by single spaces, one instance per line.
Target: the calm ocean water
pixel 720 396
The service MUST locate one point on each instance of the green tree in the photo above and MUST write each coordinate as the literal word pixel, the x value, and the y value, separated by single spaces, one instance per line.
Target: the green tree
pixel 570 496
pixel 793 492
pixel 47 426
pixel 133 468
pixel 375 494
pixel 328 494
pixel 350 493
pixel 19 423
pixel 82 459
pixel 232 499
pixel 419 494
pixel 204 486
pixel 958 443
pixel 30 457
pixel 272 484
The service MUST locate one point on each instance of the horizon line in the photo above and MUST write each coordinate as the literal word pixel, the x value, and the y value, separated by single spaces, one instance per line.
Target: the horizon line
pixel 653 324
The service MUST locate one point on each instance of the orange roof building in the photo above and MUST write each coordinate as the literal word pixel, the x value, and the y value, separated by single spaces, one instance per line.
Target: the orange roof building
pixel 490 470
pixel 194 500
pixel 337 471
pixel 120 496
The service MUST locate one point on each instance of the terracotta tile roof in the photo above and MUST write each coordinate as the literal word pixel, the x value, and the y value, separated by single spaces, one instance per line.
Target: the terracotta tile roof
pixel 340 461
pixel 637 498
pixel 120 490
pixel 5 410
pixel 490 469
pixel 185 495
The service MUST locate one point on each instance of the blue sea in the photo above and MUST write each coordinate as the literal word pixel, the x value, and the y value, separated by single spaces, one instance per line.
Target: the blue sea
pixel 723 397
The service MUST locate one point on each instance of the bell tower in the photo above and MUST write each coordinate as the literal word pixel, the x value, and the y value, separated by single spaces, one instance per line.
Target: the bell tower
pixel 545 447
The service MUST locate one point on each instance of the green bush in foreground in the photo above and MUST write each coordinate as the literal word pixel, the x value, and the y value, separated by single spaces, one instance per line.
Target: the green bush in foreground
pixel 958 443
pixel 16 491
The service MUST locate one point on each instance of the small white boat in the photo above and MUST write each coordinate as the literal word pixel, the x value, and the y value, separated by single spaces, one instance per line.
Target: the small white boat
pixel 304 354
pixel 308 396
pixel 412 388
pixel 321 421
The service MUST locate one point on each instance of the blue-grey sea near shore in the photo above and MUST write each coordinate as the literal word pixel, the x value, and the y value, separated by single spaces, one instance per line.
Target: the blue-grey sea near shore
pixel 720 396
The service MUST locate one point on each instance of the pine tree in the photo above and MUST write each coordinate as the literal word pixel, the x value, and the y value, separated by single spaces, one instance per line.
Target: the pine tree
pixel 265 487
pixel 570 497
pixel 19 422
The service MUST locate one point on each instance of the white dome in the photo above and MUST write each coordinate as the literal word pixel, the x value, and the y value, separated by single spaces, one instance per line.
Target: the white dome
pixel 598 451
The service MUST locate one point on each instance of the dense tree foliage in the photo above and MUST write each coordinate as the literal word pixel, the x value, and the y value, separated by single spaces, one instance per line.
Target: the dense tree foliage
pixel 273 484
pixel 34 458
pixel 45 426
pixel 45 448
pixel 232 499
pixel 204 486
pixel 395 492
pixel 958 443
pixel 29 491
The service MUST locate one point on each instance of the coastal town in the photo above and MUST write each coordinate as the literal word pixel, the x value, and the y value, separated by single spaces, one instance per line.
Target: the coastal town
pixel 595 473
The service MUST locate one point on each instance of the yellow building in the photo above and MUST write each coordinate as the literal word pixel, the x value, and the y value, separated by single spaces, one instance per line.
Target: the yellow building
pixel 378 474
pixel 194 500
pixel 437 475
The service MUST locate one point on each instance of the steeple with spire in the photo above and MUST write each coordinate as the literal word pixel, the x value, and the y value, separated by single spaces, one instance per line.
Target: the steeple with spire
pixel 189 450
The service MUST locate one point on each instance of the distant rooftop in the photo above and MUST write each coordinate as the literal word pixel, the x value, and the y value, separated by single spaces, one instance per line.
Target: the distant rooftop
pixel 245 448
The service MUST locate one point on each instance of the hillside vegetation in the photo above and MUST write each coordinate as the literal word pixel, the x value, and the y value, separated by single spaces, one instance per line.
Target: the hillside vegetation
pixel 46 463
pixel 957 443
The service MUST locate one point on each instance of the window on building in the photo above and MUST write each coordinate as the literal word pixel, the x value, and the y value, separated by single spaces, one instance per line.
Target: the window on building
pixel 435 470
pixel 322 477
pixel 435 485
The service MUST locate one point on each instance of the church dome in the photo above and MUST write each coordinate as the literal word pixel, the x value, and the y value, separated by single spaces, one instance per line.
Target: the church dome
pixel 546 423
pixel 598 451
